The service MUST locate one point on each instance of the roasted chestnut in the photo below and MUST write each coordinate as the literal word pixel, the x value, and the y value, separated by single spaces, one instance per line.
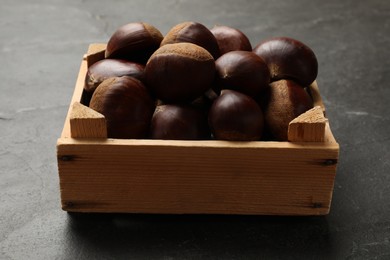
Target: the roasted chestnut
pixel 242 71
pixel 179 72
pixel 288 59
pixel 285 101
pixel 195 33
pixel 108 68
pixel 236 117
pixel 134 42
pixel 179 122
pixel 230 39
pixel 126 105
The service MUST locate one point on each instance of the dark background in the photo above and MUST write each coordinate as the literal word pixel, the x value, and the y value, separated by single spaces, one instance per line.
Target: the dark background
pixel 41 46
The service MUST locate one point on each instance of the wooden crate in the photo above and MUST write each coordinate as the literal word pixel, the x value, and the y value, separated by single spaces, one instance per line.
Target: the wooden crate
pixel 99 174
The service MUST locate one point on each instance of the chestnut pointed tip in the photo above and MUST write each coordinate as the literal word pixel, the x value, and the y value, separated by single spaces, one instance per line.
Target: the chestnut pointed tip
pixel 230 39
pixel 106 68
pixel 134 41
pixel 243 71
pixel 236 117
pixel 288 58
pixel 193 32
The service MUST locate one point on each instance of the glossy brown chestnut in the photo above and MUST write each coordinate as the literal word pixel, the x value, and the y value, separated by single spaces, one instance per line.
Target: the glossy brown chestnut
pixel 242 71
pixel 126 105
pixel 179 72
pixel 179 122
pixel 286 101
pixel 108 68
pixel 288 59
pixel 134 42
pixel 230 39
pixel 236 117
pixel 195 33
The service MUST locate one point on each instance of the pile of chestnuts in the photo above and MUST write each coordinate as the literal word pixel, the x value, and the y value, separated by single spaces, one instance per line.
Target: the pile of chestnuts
pixel 196 83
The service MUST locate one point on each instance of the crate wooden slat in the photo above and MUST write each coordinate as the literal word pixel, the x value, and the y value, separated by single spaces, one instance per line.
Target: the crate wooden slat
pixel 197 177
pixel 86 122
pixel 308 127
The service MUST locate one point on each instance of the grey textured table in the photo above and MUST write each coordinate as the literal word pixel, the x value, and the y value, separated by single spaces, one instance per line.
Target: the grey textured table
pixel 41 45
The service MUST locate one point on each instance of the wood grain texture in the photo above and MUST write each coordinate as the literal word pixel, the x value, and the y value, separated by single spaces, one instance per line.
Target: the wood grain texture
pixel 308 127
pixel 197 177
pixel 86 122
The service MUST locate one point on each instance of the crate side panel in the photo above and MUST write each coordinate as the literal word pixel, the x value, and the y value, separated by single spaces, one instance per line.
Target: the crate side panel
pixel 175 179
pixel 77 94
